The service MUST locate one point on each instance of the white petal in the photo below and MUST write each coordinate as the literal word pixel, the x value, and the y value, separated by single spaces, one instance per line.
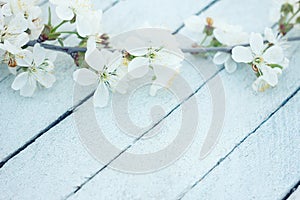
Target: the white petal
pixel 166 58
pixel 28 89
pixel 21 40
pixel 220 58
pixel 260 85
pixel 101 96
pixel 10 47
pixel 138 67
pixel 45 79
pixel 91 43
pixel 34 12
pixel 194 23
pixel 257 43
pixel 84 26
pixel 165 75
pixel 95 59
pixel 230 65
pixel 20 81
pixel 6 10
pixel 24 58
pixel 39 54
pixel 85 77
pixel 273 55
pixel 269 35
pixel 242 54
pixel 138 52
pixel 64 13
pixel 269 75
pixel 18 24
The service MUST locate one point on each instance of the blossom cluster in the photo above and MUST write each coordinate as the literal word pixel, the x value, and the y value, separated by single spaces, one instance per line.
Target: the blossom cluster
pixel 263 53
pixel 23 35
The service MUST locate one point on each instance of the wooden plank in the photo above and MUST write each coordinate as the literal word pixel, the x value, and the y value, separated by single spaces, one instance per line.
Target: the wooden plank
pixel 265 166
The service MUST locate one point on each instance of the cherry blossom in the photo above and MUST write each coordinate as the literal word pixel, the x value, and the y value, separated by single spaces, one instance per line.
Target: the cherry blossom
pixel 37 68
pixel 261 57
pixel 104 71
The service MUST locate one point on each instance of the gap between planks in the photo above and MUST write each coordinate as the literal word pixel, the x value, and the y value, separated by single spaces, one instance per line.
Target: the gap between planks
pixel 238 144
pixel 72 109
pixel 58 120
pixel 291 191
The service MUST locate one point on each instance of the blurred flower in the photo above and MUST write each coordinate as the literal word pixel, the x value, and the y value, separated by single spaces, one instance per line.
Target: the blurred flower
pixel 165 66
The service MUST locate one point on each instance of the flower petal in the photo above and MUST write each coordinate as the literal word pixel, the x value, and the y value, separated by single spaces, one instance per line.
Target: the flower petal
pixel 84 29
pixel 257 43
pixel 269 75
pixel 64 13
pixel 274 55
pixel 39 54
pixel 269 35
pixel 260 85
pixel 21 40
pixel 45 79
pixel 220 58
pixel 95 59
pixel 230 65
pixel 194 23
pixel 28 89
pixel 20 81
pixel 138 52
pixel 242 54
pixel 85 77
pixel 138 67
pixel 24 58
pixel 101 96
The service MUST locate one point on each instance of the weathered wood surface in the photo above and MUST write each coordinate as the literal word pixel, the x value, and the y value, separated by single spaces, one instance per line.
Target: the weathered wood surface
pixel 257 156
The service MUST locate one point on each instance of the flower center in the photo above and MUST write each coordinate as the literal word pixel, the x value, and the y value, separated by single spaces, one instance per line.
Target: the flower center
pixel 258 60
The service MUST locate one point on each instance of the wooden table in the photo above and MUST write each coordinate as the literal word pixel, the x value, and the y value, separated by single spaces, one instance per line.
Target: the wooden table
pixel 256 157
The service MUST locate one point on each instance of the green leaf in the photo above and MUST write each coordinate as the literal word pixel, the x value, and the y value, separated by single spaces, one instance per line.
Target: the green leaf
pixel 287 8
pixel 215 43
pixel 298 20
pixel 60 41
pixel 275 65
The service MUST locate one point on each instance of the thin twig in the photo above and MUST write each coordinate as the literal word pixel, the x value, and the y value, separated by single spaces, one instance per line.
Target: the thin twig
pixel 71 50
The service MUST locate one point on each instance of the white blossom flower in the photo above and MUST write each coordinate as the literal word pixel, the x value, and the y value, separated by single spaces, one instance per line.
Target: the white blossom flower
pixel 165 66
pixel 37 68
pixel 82 9
pixel 262 57
pixel 28 10
pixel 11 29
pixel 228 35
pixel 104 71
